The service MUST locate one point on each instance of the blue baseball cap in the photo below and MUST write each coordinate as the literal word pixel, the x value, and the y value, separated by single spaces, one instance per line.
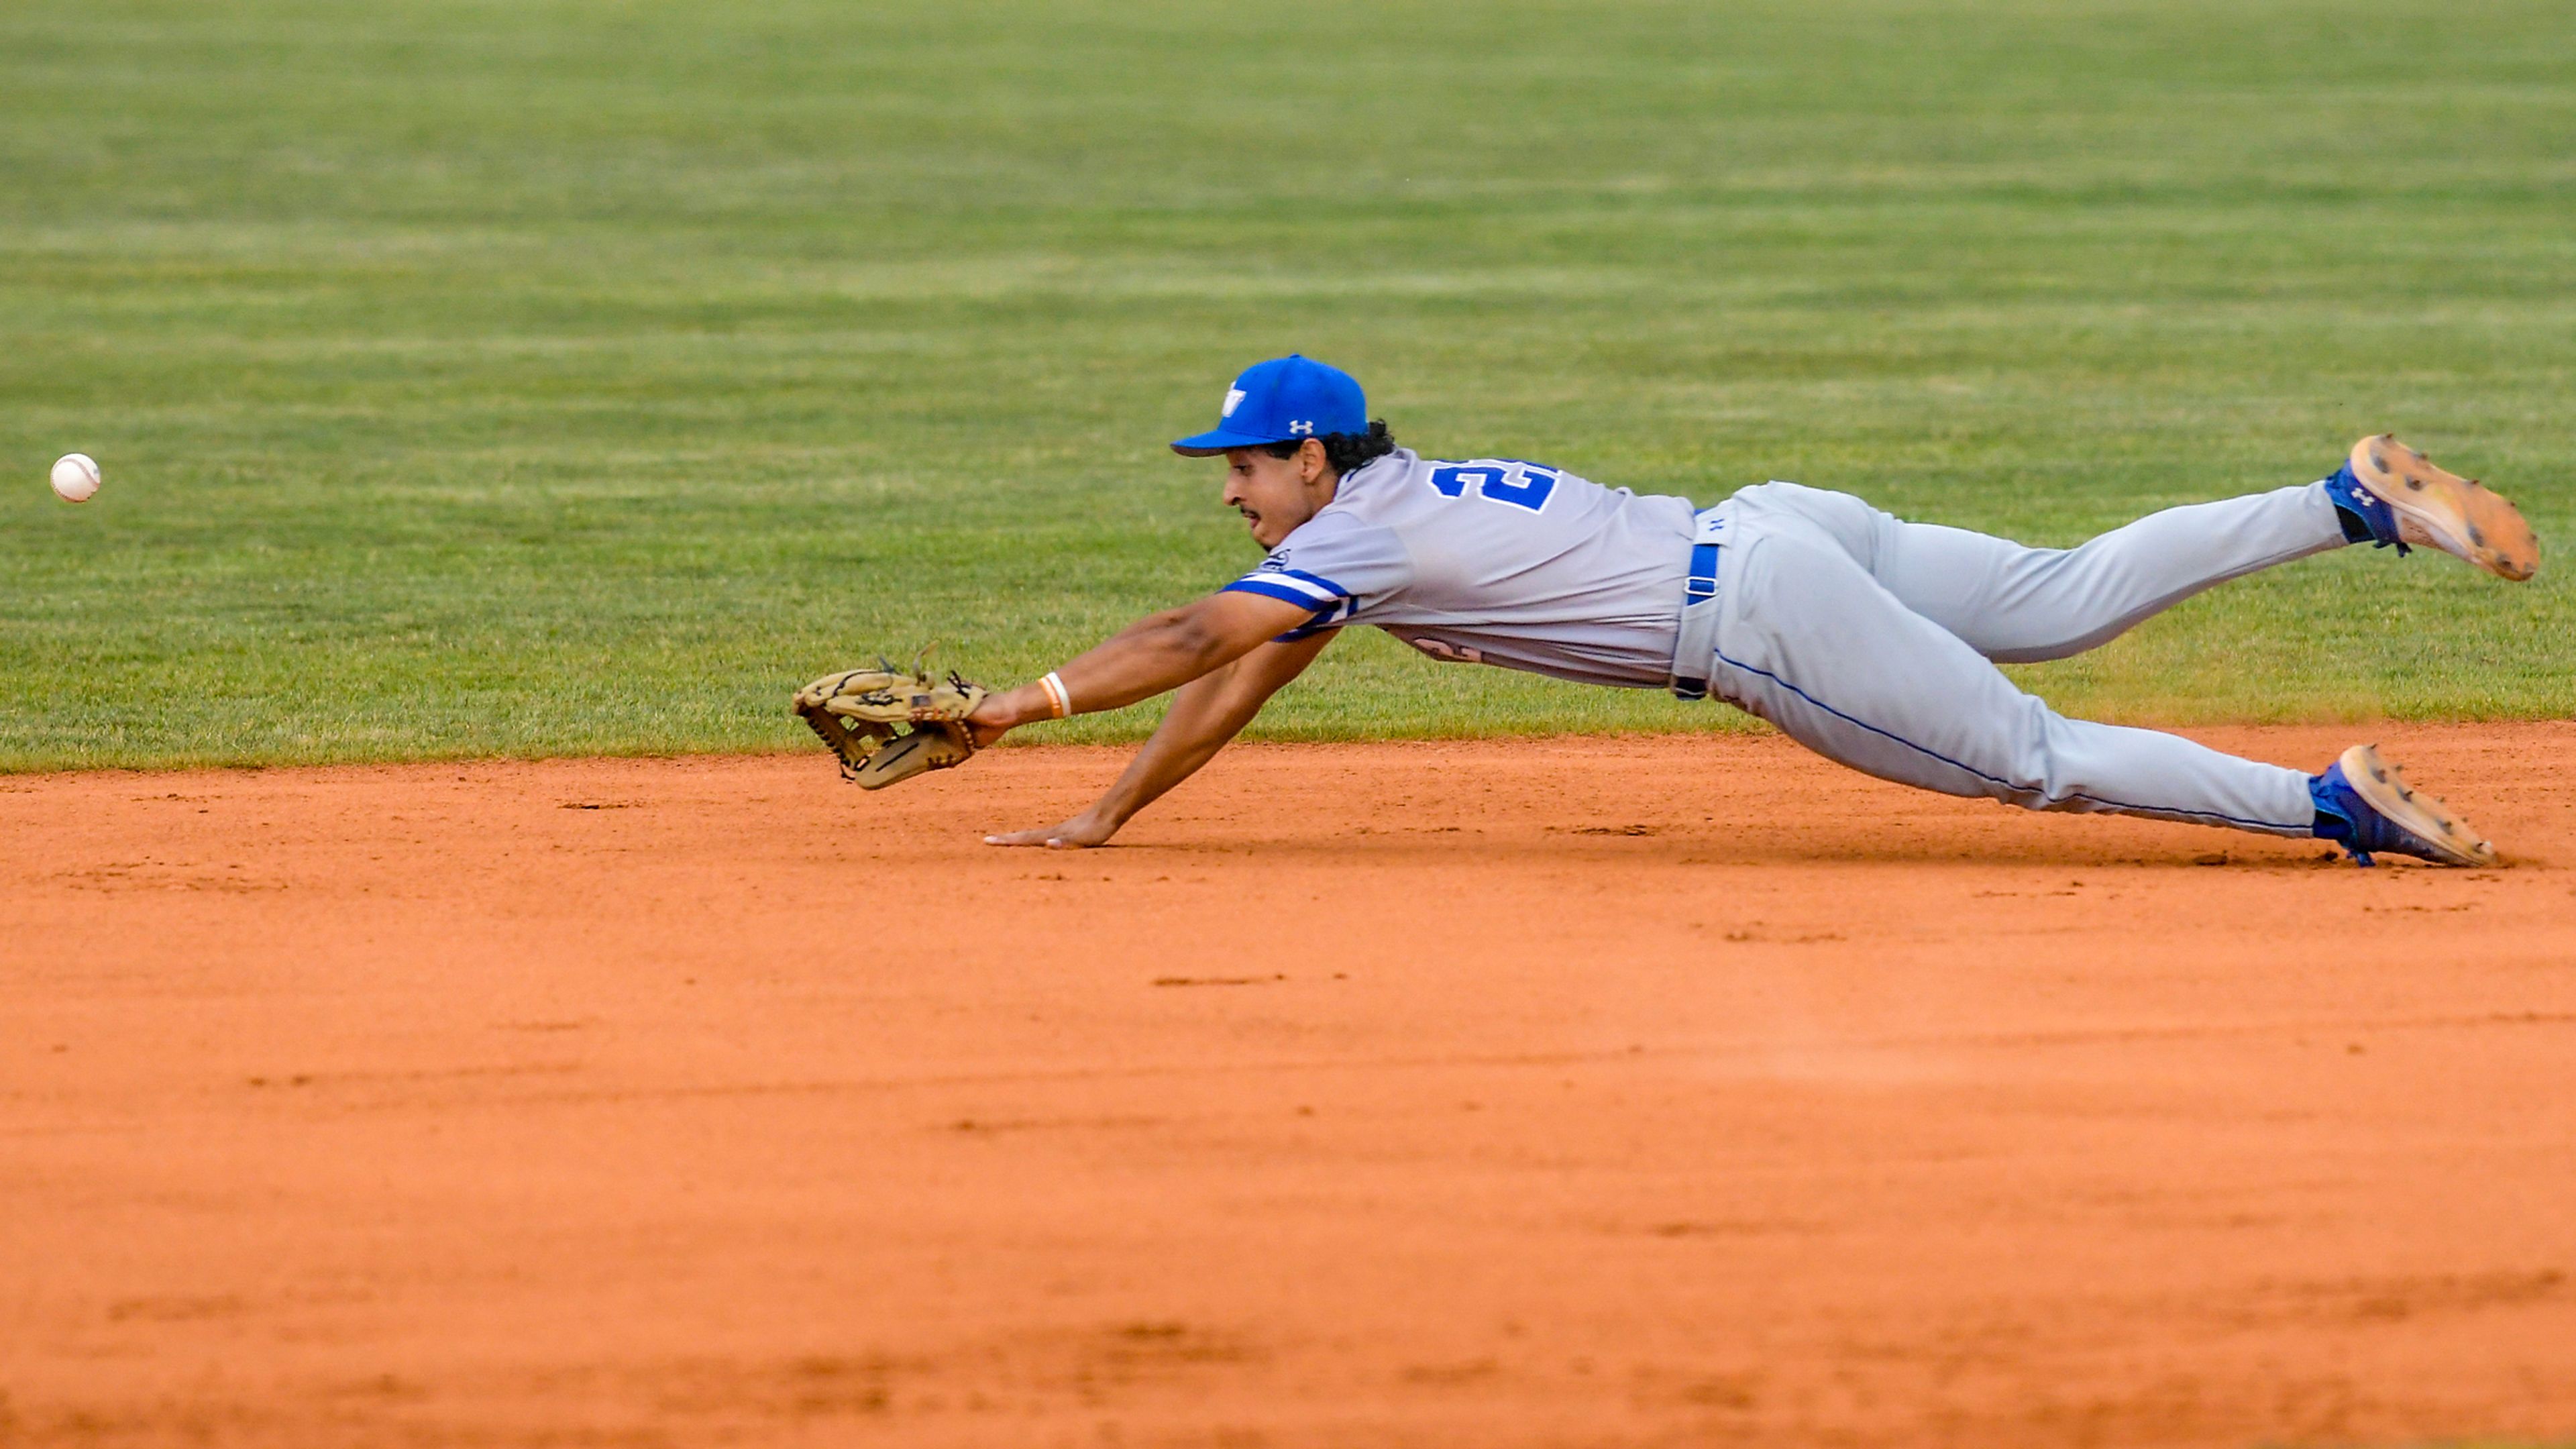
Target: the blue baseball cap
pixel 1280 400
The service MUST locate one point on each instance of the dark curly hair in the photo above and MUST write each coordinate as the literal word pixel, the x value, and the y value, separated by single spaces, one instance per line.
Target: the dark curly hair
pixel 1344 451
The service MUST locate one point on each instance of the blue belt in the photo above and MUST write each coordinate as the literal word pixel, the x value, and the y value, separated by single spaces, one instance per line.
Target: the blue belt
pixel 1695 642
pixel 1703 574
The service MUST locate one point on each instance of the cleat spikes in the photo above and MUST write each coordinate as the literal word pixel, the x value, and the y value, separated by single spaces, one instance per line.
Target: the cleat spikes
pixel 2460 516
pixel 2381 814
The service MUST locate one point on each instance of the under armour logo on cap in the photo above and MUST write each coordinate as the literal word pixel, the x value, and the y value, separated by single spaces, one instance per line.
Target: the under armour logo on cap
pixel 1303 428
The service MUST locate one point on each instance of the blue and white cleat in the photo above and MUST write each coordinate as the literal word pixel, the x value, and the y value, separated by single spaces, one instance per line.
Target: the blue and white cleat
pixel 2364 805
pixel 2406 500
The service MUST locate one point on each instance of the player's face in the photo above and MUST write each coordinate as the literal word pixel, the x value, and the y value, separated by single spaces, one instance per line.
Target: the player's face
pixel 1275 495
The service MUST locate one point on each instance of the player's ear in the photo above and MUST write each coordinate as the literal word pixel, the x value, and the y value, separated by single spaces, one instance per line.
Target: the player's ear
pixel 1312 461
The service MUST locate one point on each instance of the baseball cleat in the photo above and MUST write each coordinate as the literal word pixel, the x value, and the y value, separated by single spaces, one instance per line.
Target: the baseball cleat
pixel 2407 500
pixel 2365 806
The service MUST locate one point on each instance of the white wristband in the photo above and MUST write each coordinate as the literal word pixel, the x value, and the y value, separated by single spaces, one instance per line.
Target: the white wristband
pixel 1058 699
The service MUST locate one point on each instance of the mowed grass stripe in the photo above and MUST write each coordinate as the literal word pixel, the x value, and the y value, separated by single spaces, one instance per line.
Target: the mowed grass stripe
pixel 537 378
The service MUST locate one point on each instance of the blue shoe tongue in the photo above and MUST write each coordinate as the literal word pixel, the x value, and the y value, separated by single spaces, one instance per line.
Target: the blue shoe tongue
pixel 2343 818
pixel 2328 793
pixel 2377 519
pixel 2331 826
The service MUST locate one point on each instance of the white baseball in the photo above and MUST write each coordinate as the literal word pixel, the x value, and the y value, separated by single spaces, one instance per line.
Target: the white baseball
pixel 75 477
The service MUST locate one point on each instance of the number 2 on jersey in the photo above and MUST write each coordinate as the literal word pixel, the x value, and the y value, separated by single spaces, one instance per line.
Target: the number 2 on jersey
pixel 1497 480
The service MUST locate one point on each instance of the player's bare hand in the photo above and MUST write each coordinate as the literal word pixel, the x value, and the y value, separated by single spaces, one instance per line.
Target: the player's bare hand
pixel 991 720
pixel 1080 832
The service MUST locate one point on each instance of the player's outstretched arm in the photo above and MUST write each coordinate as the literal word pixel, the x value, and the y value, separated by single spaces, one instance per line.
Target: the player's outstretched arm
pixel 1207 712
pixel 1156 653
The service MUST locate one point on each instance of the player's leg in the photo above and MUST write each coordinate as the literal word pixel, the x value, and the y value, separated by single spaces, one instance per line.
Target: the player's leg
pixel 2017 604
pixel 1808 640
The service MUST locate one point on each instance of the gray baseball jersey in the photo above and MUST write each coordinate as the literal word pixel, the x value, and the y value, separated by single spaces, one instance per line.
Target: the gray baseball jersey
pixel 1493 561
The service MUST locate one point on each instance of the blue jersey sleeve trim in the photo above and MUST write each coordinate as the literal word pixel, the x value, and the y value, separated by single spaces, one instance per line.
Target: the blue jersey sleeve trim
pixel 1319 581
pixel 1325 616
pixel 1282 592
pixel 1320 593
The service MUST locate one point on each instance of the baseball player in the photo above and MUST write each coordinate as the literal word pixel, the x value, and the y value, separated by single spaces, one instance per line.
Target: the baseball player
pixel 1865 638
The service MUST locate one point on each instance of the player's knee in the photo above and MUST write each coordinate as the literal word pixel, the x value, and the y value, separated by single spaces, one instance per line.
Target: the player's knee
pixel 2045 772
pixel 2028 772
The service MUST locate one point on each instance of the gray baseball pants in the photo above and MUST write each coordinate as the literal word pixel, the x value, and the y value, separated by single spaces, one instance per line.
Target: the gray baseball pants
pixel 1872 641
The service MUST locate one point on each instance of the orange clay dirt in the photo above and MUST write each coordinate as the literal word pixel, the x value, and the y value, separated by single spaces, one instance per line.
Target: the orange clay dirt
pixel 1566 1092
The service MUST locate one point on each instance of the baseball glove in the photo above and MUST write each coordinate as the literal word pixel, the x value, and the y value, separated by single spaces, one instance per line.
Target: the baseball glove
pixel 859 713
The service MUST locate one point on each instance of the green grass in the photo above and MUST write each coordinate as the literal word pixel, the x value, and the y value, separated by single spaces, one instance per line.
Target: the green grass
pixel 559 377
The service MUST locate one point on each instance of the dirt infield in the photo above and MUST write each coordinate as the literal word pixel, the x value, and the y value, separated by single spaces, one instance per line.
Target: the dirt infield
pixel 1578 1092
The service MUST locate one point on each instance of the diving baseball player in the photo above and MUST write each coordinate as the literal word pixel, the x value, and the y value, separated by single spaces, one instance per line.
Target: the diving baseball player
pixel 1868 639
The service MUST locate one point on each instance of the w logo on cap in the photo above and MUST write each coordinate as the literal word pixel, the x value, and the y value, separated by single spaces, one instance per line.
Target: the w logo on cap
pixel 1233 400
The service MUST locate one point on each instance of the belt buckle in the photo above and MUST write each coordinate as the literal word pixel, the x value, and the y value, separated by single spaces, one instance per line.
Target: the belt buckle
pixel 1702 585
